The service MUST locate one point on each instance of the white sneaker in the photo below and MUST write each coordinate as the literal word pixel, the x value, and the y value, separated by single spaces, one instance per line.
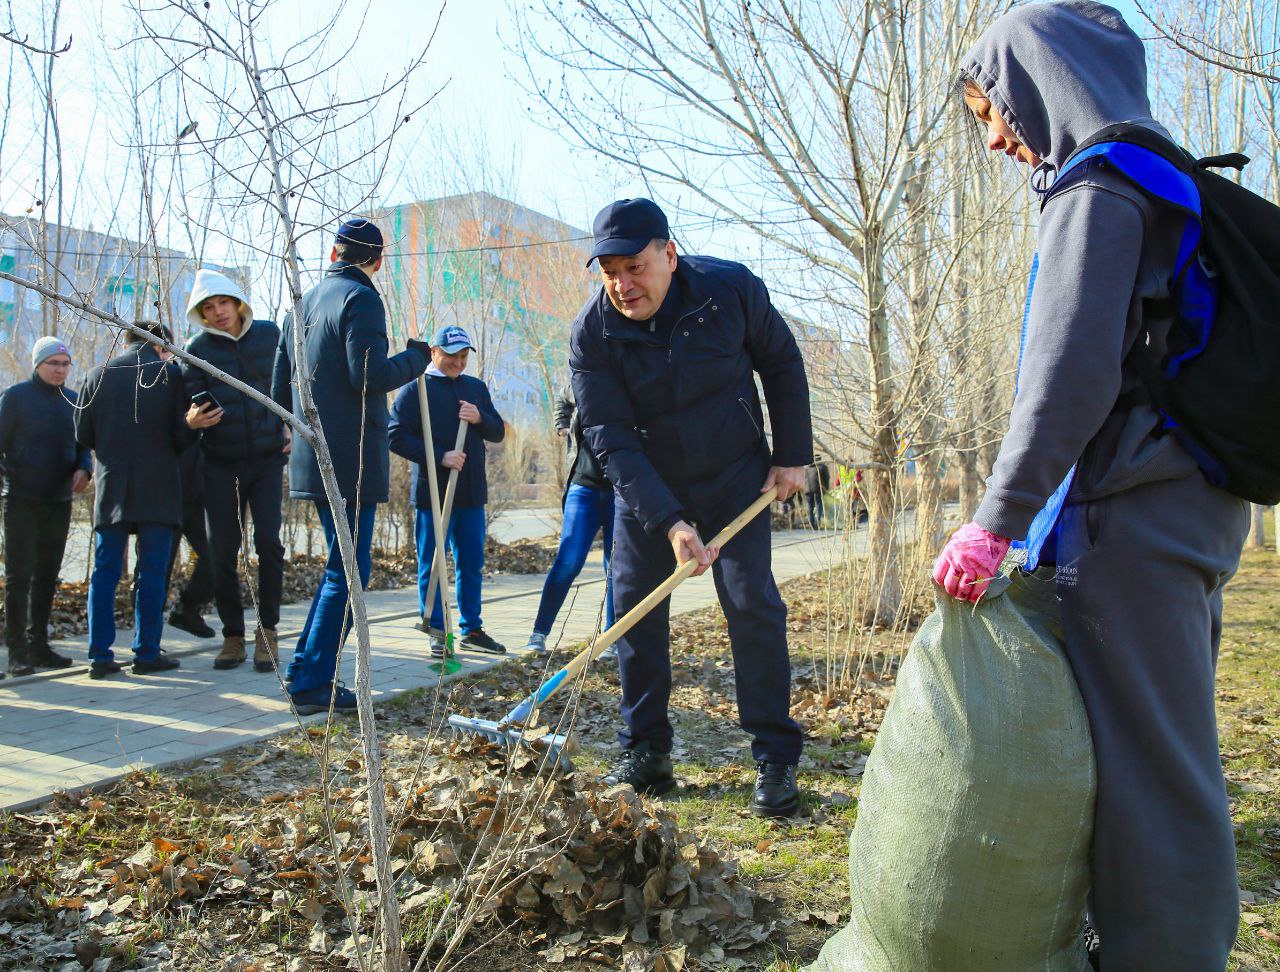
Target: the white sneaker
pixel 611 653
pixel 537 643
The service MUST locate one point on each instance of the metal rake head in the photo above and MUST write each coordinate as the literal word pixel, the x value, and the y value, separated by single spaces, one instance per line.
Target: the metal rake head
pixel 554 744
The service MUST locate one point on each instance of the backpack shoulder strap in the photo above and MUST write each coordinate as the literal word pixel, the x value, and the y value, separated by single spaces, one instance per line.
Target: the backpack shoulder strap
pixel 1151 162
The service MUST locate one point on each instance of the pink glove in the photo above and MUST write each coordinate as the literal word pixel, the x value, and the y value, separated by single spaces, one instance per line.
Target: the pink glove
pixel 969 562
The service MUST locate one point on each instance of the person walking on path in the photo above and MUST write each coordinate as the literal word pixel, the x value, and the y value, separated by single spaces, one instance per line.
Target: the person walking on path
pixel 1143 544
pixel 588 509
pixel 135 415
pixel 817 480
pixel 244 456
pixel 664 360
pixel 42 466
pixel 188 613
pixel 345 336
pixel 452 397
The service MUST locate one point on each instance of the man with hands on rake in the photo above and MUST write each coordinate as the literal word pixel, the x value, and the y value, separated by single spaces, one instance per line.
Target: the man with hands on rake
pixel 664 359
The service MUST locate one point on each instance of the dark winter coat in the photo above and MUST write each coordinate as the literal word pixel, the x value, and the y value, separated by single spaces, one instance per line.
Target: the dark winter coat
pixel 584 469
pixel 248 430
pixel 346 347
pixel 677 424
pixel 817 478
pixel 132 416
pixel 444 396
pixel 38 449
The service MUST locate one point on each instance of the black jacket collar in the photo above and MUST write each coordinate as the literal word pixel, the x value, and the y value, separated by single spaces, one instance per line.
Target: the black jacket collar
pixel 350 271
pixel 690 288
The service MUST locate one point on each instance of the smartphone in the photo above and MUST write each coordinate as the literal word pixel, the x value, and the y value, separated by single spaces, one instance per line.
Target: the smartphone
pixel 202 398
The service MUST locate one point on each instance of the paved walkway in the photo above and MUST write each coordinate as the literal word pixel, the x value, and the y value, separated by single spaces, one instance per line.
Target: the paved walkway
pixel 63 731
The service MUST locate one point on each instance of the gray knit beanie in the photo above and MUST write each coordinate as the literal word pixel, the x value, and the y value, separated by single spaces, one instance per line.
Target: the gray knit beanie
pixel 47 347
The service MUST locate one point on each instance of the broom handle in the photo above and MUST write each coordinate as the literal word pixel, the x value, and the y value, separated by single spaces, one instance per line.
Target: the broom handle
pixel 633 617
pixel 438 567
pixel 434 489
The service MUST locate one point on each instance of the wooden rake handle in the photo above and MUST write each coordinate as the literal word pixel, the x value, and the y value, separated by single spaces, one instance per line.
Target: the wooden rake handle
pixel 633 617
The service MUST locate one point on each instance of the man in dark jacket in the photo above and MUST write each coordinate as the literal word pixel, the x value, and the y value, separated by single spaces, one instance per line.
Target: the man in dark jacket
pixel 134 414
pixel 244 456
pixel 452 397
pixel 817 480
pixel 664 359
pixel 345 346
pixel 42 466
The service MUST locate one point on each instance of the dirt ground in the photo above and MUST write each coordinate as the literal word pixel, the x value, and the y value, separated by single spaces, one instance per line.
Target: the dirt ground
pixel 233 863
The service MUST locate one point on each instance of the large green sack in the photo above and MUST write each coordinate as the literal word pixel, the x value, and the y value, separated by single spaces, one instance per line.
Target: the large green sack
pixel 970 850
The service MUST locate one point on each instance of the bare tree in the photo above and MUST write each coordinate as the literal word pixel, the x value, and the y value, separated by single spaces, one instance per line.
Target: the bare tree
pixel 807 124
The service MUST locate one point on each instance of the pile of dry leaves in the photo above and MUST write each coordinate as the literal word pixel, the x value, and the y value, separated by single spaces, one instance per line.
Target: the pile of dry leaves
pixel 577 873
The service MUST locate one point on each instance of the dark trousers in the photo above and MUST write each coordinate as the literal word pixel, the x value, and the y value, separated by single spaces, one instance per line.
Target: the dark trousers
pixel 1141 575
pixel 35 538
pixel 255 485
pixel 198 590
pixel 586 510
pixel 465 539
pixel 816 508
pixel 757 621
pixel 155 540
pixel 315 660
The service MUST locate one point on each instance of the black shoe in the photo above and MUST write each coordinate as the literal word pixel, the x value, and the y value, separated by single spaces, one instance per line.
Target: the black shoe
pixel 46 657
pixel 19 668
pixel 161 663
pixel 101 669
pixel 644 771
pixel 479 641
pixel 189 620
pixel 776 793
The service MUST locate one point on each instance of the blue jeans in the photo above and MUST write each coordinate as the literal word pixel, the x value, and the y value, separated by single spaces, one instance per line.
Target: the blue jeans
pixel 466 543
pixel 586 510
pixel 315 660
pixel 109 543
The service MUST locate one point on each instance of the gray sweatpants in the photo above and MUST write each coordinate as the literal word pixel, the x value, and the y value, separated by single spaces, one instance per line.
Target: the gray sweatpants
pixel 1141 575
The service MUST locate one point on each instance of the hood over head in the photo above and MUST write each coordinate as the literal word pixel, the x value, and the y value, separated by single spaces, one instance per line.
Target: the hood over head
pixel 210 283
pixel 1058 72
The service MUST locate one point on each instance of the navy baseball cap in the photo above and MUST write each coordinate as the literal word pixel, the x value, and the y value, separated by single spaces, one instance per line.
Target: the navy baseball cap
pixel 362 239
pixel 626 227
pixel 451 339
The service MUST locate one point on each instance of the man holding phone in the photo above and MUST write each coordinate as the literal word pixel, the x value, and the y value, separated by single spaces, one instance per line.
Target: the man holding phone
pixel 244 455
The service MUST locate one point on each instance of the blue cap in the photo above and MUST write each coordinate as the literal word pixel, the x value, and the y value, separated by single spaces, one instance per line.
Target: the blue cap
pixel 451 339
pixel 626 227
pixel 362 239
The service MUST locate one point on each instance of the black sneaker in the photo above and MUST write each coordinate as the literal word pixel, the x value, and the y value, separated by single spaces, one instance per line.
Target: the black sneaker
pixel 644 771
pixel 20 667
pixel 161 663
pixel 776 793
pixel 101 669
pixel 46 657
pixel 190 621
pixel 479 641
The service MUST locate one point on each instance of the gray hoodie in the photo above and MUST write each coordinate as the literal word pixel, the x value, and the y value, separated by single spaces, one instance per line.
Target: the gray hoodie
pixel 1059 72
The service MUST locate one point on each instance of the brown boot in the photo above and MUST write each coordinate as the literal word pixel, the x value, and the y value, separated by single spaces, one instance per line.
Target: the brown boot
pixel 266 649
pixel 232 653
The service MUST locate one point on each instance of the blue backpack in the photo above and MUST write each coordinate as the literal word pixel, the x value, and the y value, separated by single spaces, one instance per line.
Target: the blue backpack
pixel 1217 388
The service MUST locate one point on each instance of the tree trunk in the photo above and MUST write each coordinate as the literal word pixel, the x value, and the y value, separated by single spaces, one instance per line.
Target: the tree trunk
pixel 1258 535
pixel 882 484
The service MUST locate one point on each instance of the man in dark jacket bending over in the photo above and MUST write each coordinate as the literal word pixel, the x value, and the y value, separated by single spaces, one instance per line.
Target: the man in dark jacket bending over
pixel 664 360
pixel 345 351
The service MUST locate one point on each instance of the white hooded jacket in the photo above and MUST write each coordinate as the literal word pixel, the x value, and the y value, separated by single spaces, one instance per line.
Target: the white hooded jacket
pixel 210 283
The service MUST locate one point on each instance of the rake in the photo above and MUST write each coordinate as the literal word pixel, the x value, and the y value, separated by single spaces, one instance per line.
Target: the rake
pixel 507 731
pixel 440 521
